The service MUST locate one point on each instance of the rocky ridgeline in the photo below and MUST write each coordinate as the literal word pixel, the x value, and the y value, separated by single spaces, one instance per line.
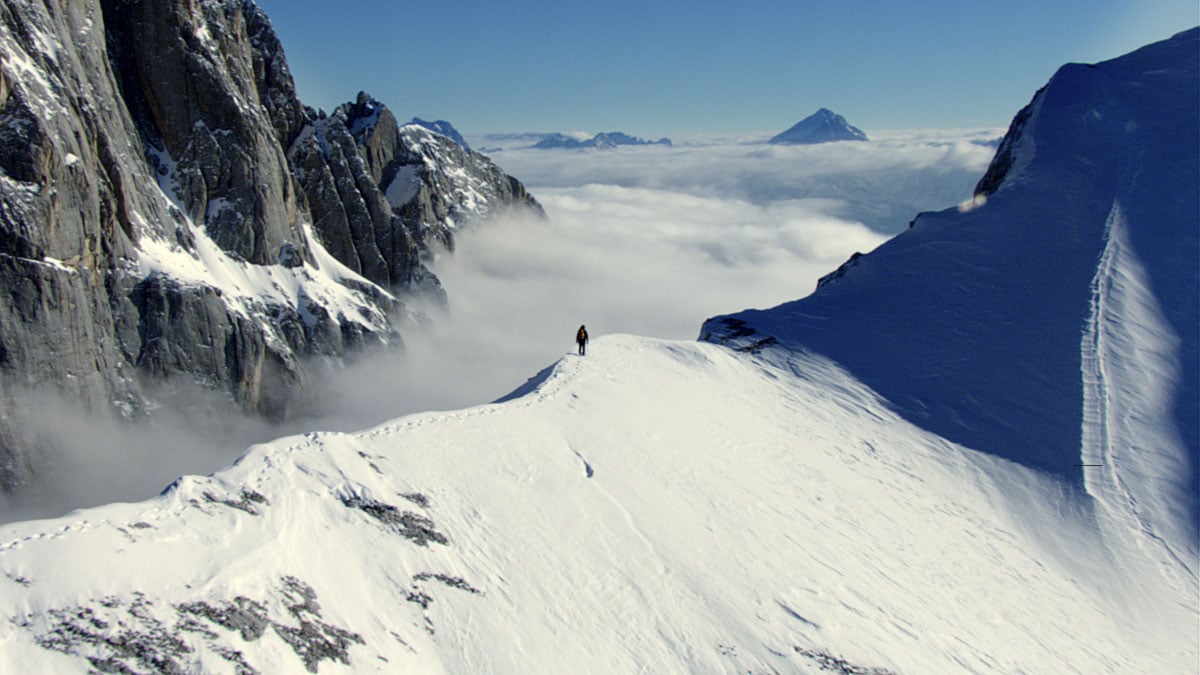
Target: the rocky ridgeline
pixel 383 194
pixel 136 133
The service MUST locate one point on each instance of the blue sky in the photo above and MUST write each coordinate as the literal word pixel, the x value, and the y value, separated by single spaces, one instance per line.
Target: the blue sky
pixel 676 68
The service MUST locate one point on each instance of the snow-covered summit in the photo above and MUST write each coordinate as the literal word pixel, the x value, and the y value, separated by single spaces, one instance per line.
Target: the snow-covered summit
pixel 444 128
pixel 664 506
pixel 1053 320
pixel 823 126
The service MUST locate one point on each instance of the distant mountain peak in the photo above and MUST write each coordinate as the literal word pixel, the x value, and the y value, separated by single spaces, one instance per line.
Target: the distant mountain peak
pixel 444 128
pixel 982 305
pixel 823 126
pixel 608 139
pixel 362 114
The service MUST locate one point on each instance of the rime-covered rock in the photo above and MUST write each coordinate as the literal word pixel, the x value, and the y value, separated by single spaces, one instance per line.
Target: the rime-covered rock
pixel 169 210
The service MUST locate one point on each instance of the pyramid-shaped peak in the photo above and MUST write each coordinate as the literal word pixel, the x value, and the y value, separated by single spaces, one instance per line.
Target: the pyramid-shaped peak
pixel 823 126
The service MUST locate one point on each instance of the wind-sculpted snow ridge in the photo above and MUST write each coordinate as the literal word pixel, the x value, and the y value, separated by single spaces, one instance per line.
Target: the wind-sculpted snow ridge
pixel 654 506
pixel 1053 320
pixel 878 479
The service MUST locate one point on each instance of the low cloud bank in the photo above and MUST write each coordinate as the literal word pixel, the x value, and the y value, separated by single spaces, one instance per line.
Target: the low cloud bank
pixel 91 458
pixel 620 260
pixel 649 241
pixel 882 183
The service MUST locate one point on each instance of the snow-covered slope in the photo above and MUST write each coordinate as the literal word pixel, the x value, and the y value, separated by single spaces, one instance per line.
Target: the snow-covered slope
pixel 792 505
pixel 772 516
pixel 1054 321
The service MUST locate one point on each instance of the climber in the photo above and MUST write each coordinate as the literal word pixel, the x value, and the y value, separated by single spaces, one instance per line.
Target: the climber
pixel 581 338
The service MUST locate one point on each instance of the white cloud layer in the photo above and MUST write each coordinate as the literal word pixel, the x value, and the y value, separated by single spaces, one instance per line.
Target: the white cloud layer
pixel 653 240
pixel 882 184
pixel 649 241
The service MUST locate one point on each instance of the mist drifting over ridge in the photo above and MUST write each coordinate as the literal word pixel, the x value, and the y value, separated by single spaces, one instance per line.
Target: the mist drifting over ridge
pixel 827 485
pixel 662 502
pixel 882 183
pixel 648 241
pixel 651 241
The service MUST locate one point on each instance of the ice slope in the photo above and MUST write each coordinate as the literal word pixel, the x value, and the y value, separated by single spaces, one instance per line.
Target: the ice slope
pixel 652 507
pixel 1055 322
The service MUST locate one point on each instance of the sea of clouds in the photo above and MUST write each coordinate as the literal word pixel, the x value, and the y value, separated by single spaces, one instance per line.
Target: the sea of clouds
pixel 652 241
pixel 643 240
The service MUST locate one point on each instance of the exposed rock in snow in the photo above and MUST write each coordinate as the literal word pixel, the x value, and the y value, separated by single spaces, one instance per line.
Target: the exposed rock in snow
pixel 777 507
pixel 675 507
pixel 153 224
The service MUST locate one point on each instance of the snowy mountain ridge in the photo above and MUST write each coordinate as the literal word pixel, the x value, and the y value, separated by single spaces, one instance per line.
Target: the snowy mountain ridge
pixel 444 128
pixel 984 345
pixel 444 186
pixel 786 501
pixel 535 534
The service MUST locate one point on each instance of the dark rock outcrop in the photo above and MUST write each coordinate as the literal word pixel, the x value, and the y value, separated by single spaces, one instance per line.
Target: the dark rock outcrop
pixel 1002 163
pixel 169 210
pixel 382 194
pixel 187 74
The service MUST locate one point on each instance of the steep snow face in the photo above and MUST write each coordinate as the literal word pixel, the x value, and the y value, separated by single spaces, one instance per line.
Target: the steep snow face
pixel 975 322
pixel 683 507
pixel 320 286
pixel 1137 463
pixel 258 292
pixel 654 506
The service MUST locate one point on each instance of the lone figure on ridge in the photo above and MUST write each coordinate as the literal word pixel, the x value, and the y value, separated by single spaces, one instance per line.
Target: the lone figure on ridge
pixel 581 338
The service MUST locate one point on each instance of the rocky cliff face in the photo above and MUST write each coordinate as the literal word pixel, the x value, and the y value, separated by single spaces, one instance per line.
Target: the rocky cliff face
pixel 169 210
pixel 382 194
